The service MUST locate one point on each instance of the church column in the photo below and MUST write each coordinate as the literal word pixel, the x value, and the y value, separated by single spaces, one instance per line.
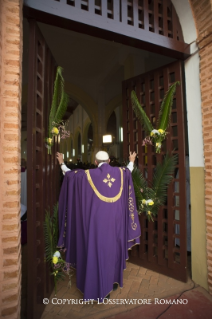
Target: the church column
pixel 101 117
pixel 118 128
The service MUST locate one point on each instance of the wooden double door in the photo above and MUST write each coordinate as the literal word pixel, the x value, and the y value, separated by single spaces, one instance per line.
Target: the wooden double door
pixel 158 249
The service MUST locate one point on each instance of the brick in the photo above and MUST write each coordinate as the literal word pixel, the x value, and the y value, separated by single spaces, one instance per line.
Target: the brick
pixel 16 117
pixel 11 298
pixel 12 72
pixel 13 204
pixel 12 62
pixel 209 237
pixel 13 32
pixel 8 311
pixel 10 262
pixel 9 286
pixel 10 250
pixel 9 239
pixel 12 171
pixel 145 283
pixel 11 137
pixel 208 193
pixel 10 216
pixel 208 115
pixel 12 274
pixel 13 182
pixel 10 227
pixel 208 128
pixel 11 94
pixel 209 140
pixel 12 104
pixel 13 193
pixel 13 9
pixel 11 149
pixel 208 167
pixel 11 125
pixel 134 272
pixel 13 20
pixel 135 286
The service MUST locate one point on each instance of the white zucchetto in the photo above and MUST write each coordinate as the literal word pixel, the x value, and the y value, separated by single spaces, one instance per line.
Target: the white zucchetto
pixel 102 156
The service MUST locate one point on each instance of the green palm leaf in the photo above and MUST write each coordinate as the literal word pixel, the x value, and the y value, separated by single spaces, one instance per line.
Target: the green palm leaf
pixel 62 107
pixel 140 186
pixel 48 237
pixel 163 176
pixel 165 109
pixel 140 113
pixel 51 233
pixel 55 228
pixel 59 100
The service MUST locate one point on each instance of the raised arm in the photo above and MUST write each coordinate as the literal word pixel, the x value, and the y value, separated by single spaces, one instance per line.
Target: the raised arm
pixel 132 158
pixel 64 168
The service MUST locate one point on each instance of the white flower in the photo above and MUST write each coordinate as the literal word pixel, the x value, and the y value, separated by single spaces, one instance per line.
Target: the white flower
pixel 153 132
pixel 57 254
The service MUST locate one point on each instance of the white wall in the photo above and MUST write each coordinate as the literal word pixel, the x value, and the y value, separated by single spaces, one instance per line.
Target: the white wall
pixel 193 95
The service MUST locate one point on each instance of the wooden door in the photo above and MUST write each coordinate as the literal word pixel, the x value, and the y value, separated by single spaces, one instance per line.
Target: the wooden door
pixel 158 250
pixel 42 169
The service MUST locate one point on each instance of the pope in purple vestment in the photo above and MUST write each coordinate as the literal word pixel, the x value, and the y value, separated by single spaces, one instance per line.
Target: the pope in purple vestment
pixel 98 223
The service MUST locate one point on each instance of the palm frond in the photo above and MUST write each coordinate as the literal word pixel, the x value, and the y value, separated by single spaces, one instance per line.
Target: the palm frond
pixel 48 237
pixel 140 186
pixel 59 100
pixel 165 109
pixel 163 176
pixel 141 114
pixel 55 227
pixel 51 233
pixel 62 107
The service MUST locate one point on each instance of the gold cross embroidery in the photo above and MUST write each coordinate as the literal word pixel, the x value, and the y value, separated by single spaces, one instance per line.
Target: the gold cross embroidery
pixel 109 180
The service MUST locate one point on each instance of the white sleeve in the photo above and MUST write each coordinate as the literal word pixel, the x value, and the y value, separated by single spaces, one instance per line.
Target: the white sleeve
pixel 130 166
pixel 65 169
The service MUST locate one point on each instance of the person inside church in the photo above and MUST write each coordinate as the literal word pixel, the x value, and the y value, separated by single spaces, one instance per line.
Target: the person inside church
pixel 98 224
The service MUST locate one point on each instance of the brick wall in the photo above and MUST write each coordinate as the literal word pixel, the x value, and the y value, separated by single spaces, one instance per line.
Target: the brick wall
pixel 202 12
pixel 10 130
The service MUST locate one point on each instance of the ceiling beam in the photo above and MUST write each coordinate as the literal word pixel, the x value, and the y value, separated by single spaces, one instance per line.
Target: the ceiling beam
pixel 133 37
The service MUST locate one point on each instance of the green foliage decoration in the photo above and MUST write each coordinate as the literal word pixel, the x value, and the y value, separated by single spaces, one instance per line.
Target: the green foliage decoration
pixel 58 108
pixel 155 136
pixel 52 254
pixel 140 113
pixel 150 198
pixel 165 109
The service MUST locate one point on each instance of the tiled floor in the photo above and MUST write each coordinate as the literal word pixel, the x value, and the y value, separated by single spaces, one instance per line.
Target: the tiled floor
pixel 139 283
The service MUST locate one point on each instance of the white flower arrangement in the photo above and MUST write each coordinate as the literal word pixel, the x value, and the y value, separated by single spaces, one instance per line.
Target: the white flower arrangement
pixel 57 254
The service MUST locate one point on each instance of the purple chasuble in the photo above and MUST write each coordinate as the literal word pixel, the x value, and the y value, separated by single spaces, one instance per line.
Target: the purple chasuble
pixel 98 223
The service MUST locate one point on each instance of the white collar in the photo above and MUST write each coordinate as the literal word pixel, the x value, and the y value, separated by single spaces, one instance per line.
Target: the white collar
pixel 100 164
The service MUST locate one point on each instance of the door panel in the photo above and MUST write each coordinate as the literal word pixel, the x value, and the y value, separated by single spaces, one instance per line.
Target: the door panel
pixel 42 169
pixel 158 250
